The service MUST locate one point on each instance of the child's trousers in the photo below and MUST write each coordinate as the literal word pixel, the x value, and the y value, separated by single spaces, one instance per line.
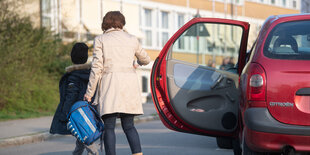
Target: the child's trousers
pixel 79 148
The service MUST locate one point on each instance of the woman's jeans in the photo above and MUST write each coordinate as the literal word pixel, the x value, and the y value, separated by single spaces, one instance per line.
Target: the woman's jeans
pixel 129 129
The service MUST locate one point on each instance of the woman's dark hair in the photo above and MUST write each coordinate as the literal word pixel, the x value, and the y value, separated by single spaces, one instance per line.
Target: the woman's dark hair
pixel 113 19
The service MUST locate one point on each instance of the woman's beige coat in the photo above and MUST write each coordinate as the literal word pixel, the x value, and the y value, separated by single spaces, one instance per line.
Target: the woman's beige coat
pixel 113 74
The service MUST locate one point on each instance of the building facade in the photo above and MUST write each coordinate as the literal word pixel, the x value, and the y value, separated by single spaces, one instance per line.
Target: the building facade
pixel 155 21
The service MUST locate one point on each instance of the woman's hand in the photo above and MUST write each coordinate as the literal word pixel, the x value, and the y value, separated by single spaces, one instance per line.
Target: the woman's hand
pixel 87 98
pixel 136 66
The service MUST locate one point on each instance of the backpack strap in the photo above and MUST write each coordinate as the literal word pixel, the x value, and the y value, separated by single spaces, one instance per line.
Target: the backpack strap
pixel 101 127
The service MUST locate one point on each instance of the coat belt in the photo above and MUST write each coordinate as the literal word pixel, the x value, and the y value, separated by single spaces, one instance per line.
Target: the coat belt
pixel 119 69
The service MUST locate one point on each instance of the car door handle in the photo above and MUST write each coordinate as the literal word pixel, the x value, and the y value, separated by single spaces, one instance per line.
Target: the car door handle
pixel 230 97
pixel 303 92
pixel 219 79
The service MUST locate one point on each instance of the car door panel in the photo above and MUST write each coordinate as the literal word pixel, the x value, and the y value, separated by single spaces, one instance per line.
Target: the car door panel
pixel 191 97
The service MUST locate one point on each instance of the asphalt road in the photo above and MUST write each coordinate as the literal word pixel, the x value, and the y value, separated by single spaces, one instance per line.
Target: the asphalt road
pixel 155 138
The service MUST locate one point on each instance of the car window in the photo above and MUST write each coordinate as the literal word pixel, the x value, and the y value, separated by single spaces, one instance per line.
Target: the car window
pixel 290 40
pixel 209 44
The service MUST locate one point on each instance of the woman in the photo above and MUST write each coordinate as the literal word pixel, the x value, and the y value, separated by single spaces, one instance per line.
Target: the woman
pixel 113 74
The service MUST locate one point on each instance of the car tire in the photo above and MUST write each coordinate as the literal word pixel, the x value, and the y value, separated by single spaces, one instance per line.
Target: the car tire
pixel 224 143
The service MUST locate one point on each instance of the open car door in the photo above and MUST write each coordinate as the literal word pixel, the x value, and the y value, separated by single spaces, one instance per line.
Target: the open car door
pixel 191 88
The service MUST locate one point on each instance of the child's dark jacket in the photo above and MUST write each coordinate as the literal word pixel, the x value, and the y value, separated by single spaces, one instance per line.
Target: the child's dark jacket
pixel 72 87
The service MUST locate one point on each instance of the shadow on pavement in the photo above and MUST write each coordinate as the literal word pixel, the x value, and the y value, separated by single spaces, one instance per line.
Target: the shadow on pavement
pixel 58 153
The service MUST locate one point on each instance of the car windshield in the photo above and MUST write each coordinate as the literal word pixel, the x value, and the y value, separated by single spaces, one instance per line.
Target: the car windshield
pixel 290 40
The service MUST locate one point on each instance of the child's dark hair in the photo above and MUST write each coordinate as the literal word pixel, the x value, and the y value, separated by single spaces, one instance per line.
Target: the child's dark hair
pixel 79 53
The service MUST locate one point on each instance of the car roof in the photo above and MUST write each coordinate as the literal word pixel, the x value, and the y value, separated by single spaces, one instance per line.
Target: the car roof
pixel 289 17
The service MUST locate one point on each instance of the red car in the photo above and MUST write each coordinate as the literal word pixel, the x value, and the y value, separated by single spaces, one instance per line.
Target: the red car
pixel 263 101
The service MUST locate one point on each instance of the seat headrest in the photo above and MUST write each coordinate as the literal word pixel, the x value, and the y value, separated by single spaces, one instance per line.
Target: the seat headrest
pixel 286 40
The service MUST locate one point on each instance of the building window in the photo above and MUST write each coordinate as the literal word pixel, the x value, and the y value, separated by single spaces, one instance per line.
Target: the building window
pixel 273 1
pixel 148 17
pixel 164 27
pixel 49 14
pixel 148 37
pixel 284 2
pixel 294 4
pixel 158 25
pixel 46 13
pixel 147 27
pixel 144 84
pixel 164 20
pixel 165 37
pixel 180 20
pixel 181 42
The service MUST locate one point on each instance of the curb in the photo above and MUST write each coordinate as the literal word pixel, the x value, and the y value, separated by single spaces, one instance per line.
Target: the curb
pixel 35 137
pixel 45 135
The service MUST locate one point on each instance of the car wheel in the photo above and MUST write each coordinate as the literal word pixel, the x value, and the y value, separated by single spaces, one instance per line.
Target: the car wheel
pixel 224 143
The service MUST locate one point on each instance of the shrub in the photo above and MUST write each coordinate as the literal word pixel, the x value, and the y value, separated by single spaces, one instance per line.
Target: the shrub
pixel 32 61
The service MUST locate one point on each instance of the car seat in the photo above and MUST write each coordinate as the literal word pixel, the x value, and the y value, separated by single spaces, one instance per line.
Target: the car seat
pixel 285 40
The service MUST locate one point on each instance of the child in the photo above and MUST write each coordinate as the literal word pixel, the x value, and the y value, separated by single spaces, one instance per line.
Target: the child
pixel 72 87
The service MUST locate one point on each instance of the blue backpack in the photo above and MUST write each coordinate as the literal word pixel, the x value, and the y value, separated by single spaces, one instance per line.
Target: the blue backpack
pixel 84 123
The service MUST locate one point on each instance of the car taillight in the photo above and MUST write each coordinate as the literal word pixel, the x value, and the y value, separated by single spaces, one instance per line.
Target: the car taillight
pixel 257 83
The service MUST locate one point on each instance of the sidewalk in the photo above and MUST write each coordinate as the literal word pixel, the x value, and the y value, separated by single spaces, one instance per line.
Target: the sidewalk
pixel 18 132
